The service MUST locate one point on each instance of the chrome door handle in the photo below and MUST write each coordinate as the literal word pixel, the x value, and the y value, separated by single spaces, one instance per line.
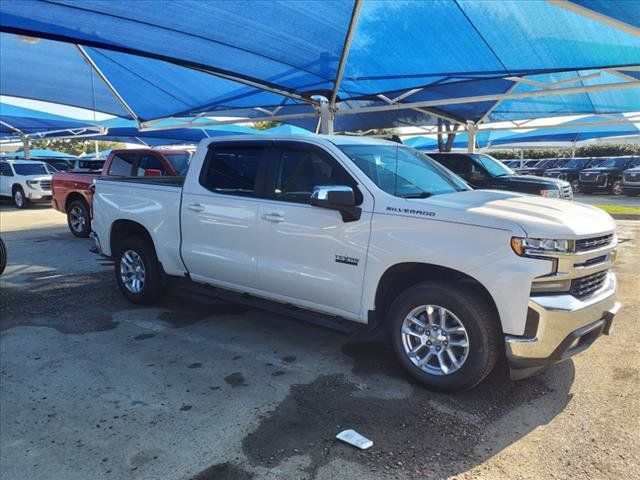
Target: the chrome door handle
pixel 273 217
pixel 196 207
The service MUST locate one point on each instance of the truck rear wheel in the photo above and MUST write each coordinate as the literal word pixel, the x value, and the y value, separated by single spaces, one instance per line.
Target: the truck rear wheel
pixel 138 271
pixel 445 335
pixel 78 218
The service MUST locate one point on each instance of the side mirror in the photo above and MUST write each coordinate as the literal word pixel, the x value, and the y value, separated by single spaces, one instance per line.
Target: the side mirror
pixel 152 172
pixel 340 198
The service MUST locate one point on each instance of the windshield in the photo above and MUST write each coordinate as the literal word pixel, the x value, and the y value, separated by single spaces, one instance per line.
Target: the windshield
pixel 494 167
pixel 51 169
pixel 403 172
pixel 577 163
pixel 179 162
pixel 614 162
pixel 635 163
pixel 30 169
pixel 91 164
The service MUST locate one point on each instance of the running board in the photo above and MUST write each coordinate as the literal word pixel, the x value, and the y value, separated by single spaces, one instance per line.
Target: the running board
pixel 333 322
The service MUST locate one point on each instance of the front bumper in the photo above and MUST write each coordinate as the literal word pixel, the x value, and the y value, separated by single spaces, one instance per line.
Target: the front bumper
pixel 560 327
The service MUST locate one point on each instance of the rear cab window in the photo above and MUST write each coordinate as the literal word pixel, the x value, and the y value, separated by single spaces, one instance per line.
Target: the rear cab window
pixel 234 170
pixel 150 162
pixel 122 165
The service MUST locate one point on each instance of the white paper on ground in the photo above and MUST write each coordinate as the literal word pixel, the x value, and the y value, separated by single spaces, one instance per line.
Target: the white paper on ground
pixel 354 438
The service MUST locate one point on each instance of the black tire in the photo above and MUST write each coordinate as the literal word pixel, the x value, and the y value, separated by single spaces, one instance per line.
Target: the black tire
pixel 3 256
pixel 616 188
pixel 79 218
pixel 477 317
pixel 20 200
pixel 153 284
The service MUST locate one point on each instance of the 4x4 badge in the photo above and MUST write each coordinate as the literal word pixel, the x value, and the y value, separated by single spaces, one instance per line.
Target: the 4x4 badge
pixel 347 260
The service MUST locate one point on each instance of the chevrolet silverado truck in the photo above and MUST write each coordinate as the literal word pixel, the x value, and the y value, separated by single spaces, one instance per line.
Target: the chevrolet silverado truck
pixel 371 236
pixel 73 189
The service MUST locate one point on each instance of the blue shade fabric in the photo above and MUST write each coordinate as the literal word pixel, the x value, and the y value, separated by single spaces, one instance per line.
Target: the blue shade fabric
pixel 14 120
pixel 574 131
pixel 39 153
pixel 449 48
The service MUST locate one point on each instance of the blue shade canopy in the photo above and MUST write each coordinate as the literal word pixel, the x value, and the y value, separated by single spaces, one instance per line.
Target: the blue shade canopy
pixel 285 129
pixel 248 54
pixel 38 153
pixel 483 140
pixel 575 131
pixel 15 121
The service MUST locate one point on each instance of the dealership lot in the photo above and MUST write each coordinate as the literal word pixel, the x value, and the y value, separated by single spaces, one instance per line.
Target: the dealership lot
pixel 95 388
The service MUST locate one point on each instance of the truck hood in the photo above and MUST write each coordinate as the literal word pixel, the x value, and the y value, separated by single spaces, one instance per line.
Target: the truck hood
pixel 38 177
pixel 539 217
pixel 600 170
pixel 535 180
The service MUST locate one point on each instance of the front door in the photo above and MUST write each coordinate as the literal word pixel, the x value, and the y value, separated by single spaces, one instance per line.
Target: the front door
pixel 220 216
pixel 308 255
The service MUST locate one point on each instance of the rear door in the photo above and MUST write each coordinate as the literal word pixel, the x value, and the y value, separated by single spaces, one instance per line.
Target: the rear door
pixel 220 215
pixel 308 255
pixel 5 179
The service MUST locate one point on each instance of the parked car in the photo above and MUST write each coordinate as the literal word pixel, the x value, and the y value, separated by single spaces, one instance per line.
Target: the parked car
pixel 364 232
pixel 607 176
pixel 483 171
pixel 25 181
pixel 571 169
pixel 541 166
pixel 73 190
pixel 631 181
pixel 60 164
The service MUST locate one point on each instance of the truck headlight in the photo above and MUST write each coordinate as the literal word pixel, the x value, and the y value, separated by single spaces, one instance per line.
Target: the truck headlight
pixel 550 193
pixel 525 246
pixel 32 183
pixel 552 286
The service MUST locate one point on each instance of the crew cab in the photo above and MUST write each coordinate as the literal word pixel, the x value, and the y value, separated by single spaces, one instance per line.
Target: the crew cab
pixel 483 171
pixel 607 175
pixel 73 189
pixel 25 181
pixel 570 171
pixel 631 181
pixel 369 234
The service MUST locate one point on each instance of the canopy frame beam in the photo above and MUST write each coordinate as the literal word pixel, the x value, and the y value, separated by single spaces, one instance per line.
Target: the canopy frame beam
pixel 345 52
pixel 106 81
pixel 595 16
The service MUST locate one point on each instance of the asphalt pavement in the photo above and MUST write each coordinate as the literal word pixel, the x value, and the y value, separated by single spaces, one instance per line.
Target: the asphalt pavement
pixel 94 387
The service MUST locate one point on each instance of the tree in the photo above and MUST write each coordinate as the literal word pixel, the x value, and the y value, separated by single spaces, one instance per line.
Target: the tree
pixel 73 146
pixel 265 124
pixel 444 127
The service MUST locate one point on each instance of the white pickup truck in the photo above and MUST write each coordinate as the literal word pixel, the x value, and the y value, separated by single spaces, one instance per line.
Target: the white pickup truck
pixel 361 230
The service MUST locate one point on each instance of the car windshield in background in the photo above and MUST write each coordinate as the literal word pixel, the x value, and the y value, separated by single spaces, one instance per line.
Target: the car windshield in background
pixel 614 162
pixel 495 167
pixel 179 162
pixel 576 163
pixel 91 164
pixel 30 169
pixel 403 172
pixel 51 169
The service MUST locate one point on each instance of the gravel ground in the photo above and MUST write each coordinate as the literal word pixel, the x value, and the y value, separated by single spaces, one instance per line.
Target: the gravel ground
pixel 93 387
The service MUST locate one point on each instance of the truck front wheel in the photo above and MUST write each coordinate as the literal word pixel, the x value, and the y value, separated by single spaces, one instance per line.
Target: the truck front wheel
pixel 78 218
pixel 445 335
pixel 138 271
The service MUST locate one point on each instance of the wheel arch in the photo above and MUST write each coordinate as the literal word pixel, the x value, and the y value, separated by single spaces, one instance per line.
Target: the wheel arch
pixel 16 186
pixel 401 276
pixel 121 229
pixel 72 197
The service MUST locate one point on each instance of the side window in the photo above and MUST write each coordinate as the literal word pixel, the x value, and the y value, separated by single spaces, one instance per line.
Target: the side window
pixel 299 171
pixel 5 170
pixel 232 170
pixel 150 162
pixel 121 165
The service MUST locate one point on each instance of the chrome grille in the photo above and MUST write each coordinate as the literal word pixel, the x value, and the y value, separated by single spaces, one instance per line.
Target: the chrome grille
pixel 593 243
pixel 45 184
pixel 589 177
pixel 631 178
pixel 566 192
pixel 585 286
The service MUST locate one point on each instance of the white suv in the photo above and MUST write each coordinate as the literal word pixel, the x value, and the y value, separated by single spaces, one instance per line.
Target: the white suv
pixel 25 181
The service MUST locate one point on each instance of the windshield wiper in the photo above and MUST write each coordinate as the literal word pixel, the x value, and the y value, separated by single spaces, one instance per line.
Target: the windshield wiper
pixel 417 195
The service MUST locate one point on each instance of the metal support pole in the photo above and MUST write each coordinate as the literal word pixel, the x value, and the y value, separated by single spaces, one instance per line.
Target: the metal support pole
pixel 471 137
pixel 326 117
pixel 26 147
